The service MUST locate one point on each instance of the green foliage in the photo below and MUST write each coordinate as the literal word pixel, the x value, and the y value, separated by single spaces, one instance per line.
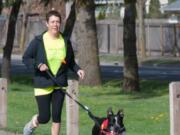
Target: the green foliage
pixel 113 11
pixel 146 112
pixel 8 3
pixel 129 1
pixel 110 58
pixel 154 9
pixel 101 15
pixel 170 1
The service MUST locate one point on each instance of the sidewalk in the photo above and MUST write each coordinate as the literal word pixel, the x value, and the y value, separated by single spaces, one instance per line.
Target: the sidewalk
pixel 173 61
pixel 18 57
pixel 13 56
pixel 7 133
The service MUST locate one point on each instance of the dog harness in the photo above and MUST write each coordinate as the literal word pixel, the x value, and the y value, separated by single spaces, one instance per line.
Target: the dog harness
pixel 104 128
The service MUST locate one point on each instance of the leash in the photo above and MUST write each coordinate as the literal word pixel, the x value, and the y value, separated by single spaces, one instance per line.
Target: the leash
pixel 81 105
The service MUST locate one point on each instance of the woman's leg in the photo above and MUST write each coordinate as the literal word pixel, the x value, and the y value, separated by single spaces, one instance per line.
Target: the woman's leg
pixel 57 104
pixel 43 116
pixel 55 129
pixel 30 126
pixel 44 103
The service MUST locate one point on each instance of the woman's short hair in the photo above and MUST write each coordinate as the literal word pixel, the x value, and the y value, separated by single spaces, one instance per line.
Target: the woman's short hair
pixel 53 13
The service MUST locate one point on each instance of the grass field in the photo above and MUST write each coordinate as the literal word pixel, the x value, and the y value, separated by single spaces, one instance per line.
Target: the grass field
pixel 146 112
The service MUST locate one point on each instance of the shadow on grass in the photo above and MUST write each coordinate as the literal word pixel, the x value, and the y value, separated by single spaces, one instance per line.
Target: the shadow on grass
pixel 148 89
pixel 22 79
pixel 21 83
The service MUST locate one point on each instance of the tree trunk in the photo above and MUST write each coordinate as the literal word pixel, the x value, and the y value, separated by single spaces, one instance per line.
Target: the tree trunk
pixel 142 40
pixel 23 31
pixel 1 6
pixel 7 50
pixel 70 22
pixel 176 50
pixel 86 36
pixel 25 11
pixel 130 73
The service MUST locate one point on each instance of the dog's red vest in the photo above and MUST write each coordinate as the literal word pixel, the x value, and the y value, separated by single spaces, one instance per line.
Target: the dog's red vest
pixel 104 124
pixel 104 127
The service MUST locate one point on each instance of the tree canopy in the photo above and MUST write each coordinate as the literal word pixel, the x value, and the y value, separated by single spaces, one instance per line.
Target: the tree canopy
pixel 154 9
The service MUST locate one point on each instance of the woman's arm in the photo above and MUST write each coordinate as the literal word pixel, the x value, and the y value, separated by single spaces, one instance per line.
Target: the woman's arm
pixel 73 65
pixel 29 55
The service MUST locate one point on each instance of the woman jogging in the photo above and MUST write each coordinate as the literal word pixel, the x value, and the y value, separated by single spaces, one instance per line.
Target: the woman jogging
pixel 50 51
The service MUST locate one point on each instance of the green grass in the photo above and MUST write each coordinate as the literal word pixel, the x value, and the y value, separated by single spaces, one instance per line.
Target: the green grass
pixel 161 61
pixel 146 112
pixel 153 61
pixel 110 58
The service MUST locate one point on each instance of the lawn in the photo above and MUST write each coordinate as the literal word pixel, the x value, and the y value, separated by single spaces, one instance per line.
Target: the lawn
pixel 146 112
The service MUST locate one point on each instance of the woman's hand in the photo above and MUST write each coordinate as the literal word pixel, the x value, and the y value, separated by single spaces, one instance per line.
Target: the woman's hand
pixel 81 74
pixel 42 67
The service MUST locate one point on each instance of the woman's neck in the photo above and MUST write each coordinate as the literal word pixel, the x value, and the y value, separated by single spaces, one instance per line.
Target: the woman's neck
pixel 53 36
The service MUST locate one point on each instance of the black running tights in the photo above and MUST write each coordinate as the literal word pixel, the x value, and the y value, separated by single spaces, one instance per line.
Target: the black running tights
pixel 51 103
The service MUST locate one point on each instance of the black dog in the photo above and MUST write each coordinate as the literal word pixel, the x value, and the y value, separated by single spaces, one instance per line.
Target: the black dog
pixel 112 125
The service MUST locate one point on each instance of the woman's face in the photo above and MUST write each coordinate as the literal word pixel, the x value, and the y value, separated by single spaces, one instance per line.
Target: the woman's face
pixel 53 25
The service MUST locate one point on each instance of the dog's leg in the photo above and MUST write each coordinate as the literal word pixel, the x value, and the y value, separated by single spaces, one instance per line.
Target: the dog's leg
pixel 123 133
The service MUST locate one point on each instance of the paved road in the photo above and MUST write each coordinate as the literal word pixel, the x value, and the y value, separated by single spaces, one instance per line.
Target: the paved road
pixel 145 72
pixel 110 71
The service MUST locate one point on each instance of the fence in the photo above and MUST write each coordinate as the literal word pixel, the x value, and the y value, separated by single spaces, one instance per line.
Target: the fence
pixel 159 35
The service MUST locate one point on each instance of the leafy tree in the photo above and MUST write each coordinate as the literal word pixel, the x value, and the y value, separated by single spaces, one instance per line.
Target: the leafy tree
pixel 130 73
pixel 154 9
pixel 7 50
